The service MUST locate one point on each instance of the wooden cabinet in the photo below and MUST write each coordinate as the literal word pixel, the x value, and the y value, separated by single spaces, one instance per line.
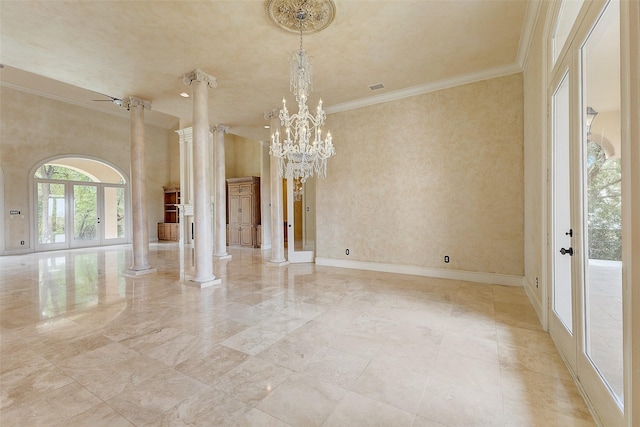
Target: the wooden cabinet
pixel 243 211
pixel 169 229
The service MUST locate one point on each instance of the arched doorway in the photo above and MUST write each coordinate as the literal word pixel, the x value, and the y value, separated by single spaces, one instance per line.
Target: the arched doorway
pixel 79 202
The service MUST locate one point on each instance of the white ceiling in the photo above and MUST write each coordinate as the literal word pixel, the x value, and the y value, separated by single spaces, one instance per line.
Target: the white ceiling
pixel 143 48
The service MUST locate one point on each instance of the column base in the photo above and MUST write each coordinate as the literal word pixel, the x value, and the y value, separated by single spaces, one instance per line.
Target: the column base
pixel 202 284
pixel 278 263
pixel 140 272
pixel 222 257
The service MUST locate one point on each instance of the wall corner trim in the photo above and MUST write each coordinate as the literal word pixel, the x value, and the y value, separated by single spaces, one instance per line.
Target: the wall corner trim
pixel 470 276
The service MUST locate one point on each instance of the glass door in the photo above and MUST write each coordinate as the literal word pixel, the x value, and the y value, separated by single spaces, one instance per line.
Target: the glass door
pixel 601 364
pixel 52 216
pixel 113 215
pixel 86 220
pixel 586 235
pixel 301 228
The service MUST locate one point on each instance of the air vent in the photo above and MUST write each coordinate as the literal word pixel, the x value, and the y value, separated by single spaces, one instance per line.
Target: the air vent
pixel 376 86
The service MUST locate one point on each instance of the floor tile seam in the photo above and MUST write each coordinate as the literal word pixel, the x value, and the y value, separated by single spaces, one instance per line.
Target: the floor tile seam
pixel 44 396
pixel 42 393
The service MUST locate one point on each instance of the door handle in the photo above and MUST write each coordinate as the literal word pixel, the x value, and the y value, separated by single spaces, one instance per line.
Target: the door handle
pixel 564 251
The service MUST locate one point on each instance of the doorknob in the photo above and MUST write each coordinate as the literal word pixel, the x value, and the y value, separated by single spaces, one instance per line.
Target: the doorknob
pixel 564 251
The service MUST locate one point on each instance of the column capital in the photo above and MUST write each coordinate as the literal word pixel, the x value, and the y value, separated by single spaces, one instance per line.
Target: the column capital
pixel 220 128
pixel 271 114
pixel 200 76
pixel 133 101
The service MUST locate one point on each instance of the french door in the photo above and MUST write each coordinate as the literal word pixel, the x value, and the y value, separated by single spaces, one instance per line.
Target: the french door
pixel 301 227
pixel 73 214
pixel 586 230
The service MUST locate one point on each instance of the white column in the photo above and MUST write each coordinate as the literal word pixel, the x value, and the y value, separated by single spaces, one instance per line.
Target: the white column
pixel 277 217
pixel 140 220
pixel 265 194
pixel 220 251
pixel 186 174
pixel 203 242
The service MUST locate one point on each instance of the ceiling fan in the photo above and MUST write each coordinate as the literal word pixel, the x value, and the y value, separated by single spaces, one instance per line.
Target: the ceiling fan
pixel 113 99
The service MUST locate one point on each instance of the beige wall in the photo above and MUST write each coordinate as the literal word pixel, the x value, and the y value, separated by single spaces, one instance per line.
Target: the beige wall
pixel 427 176
pixel 242 156
pixel 35 128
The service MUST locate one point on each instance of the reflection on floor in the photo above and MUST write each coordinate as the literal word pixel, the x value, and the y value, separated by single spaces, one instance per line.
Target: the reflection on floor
pixel 300 345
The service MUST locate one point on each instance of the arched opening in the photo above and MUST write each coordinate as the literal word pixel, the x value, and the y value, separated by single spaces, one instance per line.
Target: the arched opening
pixel 79 202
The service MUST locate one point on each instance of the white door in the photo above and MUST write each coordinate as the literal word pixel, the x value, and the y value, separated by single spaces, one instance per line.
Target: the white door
pixel 585 311
pixel 301 220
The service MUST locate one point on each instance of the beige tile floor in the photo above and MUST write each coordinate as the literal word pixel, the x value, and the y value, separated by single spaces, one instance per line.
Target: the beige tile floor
pixel 301 345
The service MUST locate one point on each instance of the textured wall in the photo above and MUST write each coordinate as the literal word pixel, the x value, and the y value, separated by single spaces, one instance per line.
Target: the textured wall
pixel 535 165
pixel 427 176
pixel 242 156
pixel 35 128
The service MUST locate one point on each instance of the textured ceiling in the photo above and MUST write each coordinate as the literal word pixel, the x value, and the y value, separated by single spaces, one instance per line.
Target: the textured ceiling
pixel 143 48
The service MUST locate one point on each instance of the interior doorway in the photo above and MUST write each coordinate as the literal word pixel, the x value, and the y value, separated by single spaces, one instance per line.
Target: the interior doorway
pixel 299 216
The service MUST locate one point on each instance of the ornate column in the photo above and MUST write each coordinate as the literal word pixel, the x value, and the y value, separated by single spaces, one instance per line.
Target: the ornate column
pixel 140 220
pixel 277 217
pixel 220 235
pixel 203 242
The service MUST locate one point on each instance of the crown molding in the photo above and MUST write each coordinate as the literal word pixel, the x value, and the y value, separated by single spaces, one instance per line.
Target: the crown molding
pixel 526 37
pixel 490 73
pixel 120 112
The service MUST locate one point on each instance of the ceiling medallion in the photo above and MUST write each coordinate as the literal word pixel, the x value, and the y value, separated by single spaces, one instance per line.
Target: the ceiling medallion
pixel 317 15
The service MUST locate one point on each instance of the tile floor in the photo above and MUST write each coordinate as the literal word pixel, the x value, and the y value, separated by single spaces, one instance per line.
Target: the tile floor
pixel 302 345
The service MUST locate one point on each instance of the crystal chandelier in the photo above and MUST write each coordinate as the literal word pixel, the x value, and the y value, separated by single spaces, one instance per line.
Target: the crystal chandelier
pixel 303 152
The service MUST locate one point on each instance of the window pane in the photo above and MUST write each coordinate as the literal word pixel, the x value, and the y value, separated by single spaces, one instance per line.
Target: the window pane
pixel 114 213
pixel 51 213
pixel 85 212
pixel 562 301
pixel 568 13
pixel 602 172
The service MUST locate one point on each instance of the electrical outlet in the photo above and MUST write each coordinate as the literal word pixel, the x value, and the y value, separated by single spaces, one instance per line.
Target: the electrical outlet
pixel 536 282
pixel 22 242
pixel 446 258
pixel 346 252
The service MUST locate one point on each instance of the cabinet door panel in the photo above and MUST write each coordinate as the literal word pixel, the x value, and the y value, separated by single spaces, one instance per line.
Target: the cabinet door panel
pixel 234 235
pixel 245 209
pixel 246 236
pixel 235 215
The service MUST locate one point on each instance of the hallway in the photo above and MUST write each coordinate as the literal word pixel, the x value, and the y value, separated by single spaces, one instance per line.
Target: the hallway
pixel 301 345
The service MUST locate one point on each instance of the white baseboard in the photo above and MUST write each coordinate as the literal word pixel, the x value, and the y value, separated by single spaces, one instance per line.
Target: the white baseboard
pixel 471 276
pixel 18 252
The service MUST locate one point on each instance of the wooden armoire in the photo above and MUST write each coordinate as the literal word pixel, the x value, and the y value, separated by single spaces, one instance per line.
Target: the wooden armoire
pixel 243 211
